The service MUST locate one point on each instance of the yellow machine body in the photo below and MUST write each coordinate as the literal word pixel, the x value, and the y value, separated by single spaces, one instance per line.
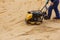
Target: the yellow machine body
pixel 28 16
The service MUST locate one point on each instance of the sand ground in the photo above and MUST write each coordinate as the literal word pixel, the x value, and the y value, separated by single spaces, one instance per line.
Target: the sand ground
pixel 13 26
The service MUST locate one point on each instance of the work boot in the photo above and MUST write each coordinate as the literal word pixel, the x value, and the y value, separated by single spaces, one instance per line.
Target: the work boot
pixel 56 18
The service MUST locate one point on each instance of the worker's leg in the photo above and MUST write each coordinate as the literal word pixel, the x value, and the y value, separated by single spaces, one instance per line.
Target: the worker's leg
pixel 56 10
pixel 50 12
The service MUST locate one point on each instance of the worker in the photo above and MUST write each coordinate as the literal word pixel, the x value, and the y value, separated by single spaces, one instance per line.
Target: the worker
pixel 53 5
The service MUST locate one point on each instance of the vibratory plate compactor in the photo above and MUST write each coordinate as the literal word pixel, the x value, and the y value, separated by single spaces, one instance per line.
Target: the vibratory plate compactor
pixel 36 16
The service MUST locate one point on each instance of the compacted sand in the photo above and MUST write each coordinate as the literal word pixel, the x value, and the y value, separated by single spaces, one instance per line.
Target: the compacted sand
pixel 13 26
